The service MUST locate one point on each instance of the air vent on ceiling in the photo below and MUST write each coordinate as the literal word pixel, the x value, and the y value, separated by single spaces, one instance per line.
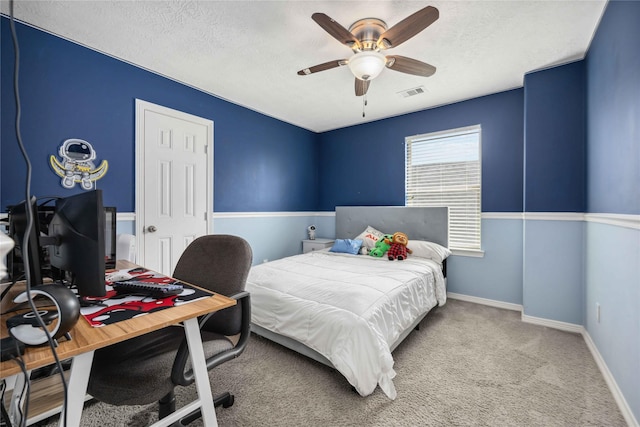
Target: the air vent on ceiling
pixel 412 92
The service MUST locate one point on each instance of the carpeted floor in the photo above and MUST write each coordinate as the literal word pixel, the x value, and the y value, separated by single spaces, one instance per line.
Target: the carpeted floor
pixel 468 365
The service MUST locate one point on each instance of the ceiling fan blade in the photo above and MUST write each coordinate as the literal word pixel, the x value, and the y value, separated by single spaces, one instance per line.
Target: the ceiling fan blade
pixel 362 86
pixel 336 30
pixel 322 67
pixel 410 66
pixel 408 27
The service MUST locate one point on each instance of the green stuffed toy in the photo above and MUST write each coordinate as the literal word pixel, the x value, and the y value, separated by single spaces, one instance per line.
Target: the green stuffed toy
pixel 382 246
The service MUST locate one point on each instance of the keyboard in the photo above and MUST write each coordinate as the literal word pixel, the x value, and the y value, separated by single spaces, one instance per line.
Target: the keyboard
pixel 154 290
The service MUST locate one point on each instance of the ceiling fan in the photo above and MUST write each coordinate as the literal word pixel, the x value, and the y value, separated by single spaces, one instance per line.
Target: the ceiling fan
pixel 366 38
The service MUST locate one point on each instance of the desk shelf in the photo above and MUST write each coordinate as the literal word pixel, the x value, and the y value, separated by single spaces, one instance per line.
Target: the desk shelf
pixel 46 398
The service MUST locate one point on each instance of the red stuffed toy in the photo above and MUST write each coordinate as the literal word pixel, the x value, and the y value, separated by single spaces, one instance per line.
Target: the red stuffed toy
pixel 398 249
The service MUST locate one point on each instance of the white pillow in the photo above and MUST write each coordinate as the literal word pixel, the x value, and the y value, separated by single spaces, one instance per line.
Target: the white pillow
pixel 429 250
pixel 369 237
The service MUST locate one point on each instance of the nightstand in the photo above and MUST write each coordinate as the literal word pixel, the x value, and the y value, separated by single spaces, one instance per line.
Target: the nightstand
pixel 316 244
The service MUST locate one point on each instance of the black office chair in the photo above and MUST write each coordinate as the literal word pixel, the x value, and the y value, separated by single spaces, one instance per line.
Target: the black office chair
pixel 146 369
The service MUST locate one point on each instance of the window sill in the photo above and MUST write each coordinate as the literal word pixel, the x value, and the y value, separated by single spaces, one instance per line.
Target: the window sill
pixel 468 253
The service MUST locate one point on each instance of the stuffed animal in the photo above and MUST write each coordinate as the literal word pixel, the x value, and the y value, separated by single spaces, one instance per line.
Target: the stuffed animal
pixel 312 232
pixel 398 249
pixel 382 246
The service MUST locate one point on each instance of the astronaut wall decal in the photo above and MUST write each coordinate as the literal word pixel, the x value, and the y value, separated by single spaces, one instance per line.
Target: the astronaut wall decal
pixel 77 164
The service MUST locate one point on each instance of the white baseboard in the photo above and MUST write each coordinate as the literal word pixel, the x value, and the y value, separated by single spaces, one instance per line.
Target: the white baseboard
pixel 485 301
pixel 555 324
pixel 611 382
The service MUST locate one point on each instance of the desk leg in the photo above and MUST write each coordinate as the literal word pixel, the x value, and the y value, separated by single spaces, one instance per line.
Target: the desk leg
pixel 77 389
pixel 16 407
pixel 196 352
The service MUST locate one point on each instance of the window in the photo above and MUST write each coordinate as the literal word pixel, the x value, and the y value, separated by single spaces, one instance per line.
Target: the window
pixel 443 169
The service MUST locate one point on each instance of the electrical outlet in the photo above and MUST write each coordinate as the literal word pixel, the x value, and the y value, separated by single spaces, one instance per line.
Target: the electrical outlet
pixel 598 312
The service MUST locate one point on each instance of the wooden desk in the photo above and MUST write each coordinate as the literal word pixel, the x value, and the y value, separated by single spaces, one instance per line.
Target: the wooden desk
pixel 86 339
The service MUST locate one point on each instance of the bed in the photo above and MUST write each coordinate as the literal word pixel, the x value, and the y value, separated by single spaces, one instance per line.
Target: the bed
pixel 351 311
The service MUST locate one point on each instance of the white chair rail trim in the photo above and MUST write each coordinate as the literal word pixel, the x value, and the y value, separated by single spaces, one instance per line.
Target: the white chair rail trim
pixel 620 220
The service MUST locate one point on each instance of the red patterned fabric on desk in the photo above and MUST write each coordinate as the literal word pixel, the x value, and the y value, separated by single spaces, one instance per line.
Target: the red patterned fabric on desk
pixel 117 307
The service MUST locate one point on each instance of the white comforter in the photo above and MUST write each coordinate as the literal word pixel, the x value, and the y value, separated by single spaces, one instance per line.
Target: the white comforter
pixel 349 308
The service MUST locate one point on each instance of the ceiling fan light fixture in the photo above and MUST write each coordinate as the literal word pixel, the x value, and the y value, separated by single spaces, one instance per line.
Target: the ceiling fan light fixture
pixel 367 65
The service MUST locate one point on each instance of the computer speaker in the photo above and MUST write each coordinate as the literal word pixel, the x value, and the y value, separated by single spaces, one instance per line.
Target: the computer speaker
pixel 59 321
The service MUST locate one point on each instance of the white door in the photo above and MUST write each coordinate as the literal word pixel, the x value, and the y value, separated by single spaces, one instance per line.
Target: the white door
pixel 174 183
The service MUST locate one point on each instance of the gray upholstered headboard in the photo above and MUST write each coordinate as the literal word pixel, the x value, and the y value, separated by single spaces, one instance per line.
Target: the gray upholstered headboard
pixel 430 224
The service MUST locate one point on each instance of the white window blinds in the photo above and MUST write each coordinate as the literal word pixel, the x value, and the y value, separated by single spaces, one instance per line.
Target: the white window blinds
pixel 443 169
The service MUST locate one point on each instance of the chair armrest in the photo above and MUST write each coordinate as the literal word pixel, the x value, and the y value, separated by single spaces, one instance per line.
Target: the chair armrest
pixel 178 374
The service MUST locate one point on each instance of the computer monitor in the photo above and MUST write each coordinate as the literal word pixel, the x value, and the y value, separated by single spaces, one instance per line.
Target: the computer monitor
pixel 78 227
pixel 110 242
pixel 34 253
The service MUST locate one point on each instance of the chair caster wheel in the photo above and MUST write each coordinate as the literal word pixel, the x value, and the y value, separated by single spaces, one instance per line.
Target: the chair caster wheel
pixel 229 401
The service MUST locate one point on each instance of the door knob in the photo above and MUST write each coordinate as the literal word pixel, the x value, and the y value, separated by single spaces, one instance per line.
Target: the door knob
pixel 152 229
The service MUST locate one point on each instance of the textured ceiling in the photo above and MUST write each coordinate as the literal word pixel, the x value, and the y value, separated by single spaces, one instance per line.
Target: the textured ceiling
pixel 248 52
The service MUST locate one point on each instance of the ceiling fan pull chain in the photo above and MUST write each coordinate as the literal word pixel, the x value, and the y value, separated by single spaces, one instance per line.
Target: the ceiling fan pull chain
pixel 364 104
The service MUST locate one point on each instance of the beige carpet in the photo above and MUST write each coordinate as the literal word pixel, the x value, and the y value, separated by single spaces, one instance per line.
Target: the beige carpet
pixel 468 365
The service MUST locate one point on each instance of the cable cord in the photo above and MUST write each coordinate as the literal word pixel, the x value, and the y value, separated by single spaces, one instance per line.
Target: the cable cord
pixel 3 411
pixel 30 223
pixel 7 289
pixel 26 391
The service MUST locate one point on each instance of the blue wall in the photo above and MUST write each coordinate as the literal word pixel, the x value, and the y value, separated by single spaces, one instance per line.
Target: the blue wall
pixel 612 263
pixel 554 181
pixel 364 165
pixel 555 140
pixel 612 280
pixel 68 91
pixel 553 281
pixel 613 91
pixel 497 275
